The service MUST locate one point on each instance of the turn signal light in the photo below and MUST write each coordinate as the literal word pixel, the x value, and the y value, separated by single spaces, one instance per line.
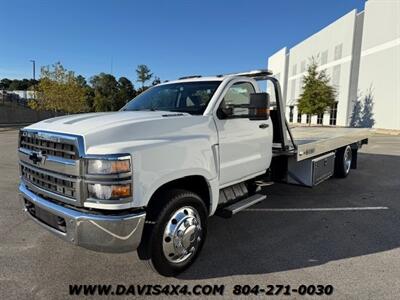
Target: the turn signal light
pixel 109 192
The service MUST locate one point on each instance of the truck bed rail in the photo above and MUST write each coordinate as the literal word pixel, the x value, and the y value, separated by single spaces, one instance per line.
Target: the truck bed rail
pixel 313 141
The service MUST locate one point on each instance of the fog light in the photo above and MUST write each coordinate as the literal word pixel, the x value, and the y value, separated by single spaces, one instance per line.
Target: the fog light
pixel 109 192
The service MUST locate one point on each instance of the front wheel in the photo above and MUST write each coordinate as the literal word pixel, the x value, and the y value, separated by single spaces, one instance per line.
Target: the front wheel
pixel 179 233
pixel 343 161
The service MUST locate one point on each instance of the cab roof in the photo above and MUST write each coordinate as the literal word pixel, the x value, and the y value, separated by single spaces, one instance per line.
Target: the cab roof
pixel 194 78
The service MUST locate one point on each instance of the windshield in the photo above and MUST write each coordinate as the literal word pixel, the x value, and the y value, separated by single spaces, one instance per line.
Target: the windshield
pixel 190 97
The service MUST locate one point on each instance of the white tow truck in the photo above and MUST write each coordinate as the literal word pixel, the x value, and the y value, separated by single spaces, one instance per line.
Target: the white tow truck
pixel 149 176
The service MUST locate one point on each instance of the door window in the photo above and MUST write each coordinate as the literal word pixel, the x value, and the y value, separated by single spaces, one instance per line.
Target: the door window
pixel 320 118
pixel 238 95
pixel 291 113
pixel 333 114
pixel 298 117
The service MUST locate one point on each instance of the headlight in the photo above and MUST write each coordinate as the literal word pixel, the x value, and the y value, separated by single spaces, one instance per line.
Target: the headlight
pixel 100 166
pixel 108 191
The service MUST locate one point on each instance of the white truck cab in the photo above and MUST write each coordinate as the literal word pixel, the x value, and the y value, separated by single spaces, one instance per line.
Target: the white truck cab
pixel 147 177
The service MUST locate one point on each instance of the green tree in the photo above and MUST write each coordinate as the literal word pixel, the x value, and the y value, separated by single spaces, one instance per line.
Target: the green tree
pixel 105 88
pixel 89 92
pixel 156 80
pixel 21 84
pixel 81 80
pixel 126 91
pixel 5 84
pixel 17 84
pixel 58 90
pixel 32 84
pixel 318 95
pixel 143 74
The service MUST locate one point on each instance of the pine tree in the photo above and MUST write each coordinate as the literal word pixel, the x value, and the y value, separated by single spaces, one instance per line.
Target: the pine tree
pixel 318 95
pixel 144 74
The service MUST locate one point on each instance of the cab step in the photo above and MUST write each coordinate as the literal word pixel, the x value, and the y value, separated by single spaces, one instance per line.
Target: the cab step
pixel 229 211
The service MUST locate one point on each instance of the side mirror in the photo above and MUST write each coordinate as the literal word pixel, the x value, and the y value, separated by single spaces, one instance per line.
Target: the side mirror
pixel 225 112
pixel 259 106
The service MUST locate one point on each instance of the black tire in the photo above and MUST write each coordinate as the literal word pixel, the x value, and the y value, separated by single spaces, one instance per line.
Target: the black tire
pixel 154 241
pixel 343 162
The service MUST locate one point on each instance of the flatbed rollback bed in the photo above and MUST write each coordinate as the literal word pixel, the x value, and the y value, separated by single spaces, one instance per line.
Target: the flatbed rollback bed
pixel 308 155
pixel 315 153
pixel 301 155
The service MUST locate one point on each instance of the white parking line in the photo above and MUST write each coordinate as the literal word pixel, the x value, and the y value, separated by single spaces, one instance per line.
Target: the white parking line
pixel 318 209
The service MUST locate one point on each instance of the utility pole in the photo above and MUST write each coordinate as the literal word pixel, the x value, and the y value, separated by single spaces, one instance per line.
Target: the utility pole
pixel 34 77
pixel 33 68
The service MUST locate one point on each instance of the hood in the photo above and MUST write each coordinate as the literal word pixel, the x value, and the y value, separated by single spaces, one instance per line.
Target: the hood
pixel 120 131
pixel 82 124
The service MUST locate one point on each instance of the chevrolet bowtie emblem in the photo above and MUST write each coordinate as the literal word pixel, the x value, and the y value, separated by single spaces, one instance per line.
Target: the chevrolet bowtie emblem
pixel 37 157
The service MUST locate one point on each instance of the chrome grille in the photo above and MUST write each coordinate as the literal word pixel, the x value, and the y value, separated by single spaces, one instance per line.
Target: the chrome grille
pixel 35 142
pixel 58 184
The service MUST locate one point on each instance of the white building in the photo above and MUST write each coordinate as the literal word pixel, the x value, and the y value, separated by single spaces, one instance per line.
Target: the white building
pixel 24 94
pixel 360 52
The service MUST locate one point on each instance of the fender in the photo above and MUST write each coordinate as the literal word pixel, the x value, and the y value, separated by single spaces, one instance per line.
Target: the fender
pixel 213 185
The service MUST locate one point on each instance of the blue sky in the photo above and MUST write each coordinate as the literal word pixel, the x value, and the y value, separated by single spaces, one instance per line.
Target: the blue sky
pixel 174 38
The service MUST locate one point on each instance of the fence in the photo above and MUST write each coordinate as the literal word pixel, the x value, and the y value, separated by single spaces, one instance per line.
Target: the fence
pixel 14 111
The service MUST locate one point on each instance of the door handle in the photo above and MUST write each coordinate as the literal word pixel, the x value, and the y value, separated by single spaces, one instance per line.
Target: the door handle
pixel 263 125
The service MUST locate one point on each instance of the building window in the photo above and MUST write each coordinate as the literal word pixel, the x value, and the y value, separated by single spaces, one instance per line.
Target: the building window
pixel 298 117
pixel 338 51
pixel 333 114
pixel 336 75
pixel 324 57
pixel 303 66
pixel 291 113
pixel 308 119
pixel 320 118
pixel 293 89
pixel 300 86
pixel 294 70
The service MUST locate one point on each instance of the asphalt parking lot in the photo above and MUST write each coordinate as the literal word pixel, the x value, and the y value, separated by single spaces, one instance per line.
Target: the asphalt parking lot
pixel 343 232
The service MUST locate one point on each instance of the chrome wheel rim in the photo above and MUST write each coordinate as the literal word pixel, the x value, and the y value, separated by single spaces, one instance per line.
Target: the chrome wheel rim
pixel 347 159
pixel 182 235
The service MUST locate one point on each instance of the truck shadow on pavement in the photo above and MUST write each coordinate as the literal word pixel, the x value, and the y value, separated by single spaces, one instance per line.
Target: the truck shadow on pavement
pixel 262 242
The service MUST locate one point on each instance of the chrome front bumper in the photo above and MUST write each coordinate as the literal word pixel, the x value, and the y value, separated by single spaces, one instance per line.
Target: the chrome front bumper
pixel 106 233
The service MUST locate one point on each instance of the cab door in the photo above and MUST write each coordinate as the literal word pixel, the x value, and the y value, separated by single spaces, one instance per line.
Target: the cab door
pixel 245 146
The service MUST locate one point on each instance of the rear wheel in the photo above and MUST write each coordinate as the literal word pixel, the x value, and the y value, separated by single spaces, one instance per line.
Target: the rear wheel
pixel 343 162
pixel 179 233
